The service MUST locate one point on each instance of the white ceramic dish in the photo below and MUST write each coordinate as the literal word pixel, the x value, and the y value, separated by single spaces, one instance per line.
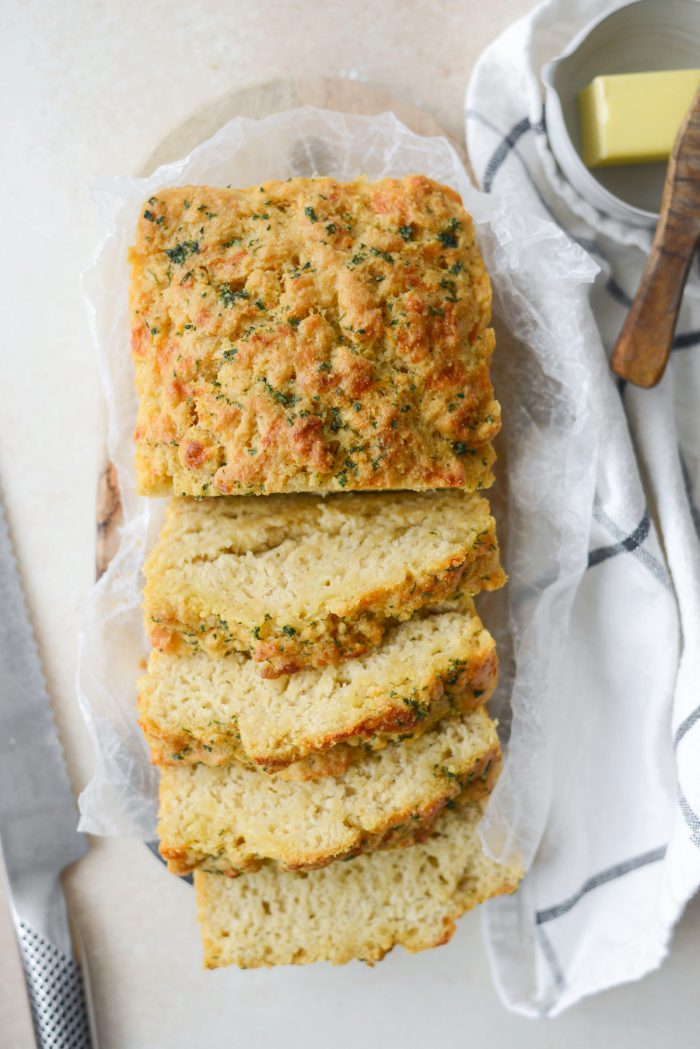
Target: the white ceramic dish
pixel 643 36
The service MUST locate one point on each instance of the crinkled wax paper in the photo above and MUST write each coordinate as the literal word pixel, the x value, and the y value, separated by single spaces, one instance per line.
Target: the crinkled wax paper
pixel 545 475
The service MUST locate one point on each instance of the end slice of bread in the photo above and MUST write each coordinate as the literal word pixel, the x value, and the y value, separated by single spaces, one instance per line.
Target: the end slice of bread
pixel 360 909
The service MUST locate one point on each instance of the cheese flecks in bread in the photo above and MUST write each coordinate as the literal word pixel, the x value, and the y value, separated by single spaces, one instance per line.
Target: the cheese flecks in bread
pixel 193 708
pixel 355 910
pixel 307 581
pixel 231 819
pixel 311 335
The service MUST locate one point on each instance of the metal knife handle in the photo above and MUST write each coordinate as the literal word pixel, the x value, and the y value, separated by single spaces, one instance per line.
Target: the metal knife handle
pixel 56 993
pixel 51 952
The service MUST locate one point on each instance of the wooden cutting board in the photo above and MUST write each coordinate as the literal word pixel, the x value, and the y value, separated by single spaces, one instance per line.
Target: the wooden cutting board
pixel 341 95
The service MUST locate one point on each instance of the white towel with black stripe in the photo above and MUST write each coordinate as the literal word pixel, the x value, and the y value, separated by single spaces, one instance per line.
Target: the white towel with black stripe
pixel 619 853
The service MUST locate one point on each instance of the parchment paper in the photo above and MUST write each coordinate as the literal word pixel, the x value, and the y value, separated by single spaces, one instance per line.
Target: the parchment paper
pixel 545 475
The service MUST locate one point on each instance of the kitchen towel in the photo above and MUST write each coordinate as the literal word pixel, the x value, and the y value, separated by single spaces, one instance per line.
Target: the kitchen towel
pixel 619 854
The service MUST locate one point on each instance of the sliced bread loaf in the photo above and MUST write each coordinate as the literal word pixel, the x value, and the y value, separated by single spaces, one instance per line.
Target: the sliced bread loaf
pixel 196 709
pixel 231 819
pixel 298 581
pixel 360 909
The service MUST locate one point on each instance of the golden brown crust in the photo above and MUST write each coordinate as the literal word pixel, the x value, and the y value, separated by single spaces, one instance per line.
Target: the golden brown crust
pixel 359 910
pixel 460 692
pixel 403 828
pixel 345 634
pixel 310 335
pixel 179 749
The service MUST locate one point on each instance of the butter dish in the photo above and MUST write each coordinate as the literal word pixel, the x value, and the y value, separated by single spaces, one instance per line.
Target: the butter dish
pixel 644 36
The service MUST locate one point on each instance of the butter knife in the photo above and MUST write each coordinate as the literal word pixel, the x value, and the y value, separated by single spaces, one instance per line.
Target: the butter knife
pixel 643 346
pixel 38 821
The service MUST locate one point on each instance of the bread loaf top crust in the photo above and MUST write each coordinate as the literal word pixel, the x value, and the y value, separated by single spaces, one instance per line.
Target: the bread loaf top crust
pixel 311 335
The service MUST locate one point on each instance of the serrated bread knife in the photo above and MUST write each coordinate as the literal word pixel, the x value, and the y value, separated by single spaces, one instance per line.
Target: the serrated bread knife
pixel 38 820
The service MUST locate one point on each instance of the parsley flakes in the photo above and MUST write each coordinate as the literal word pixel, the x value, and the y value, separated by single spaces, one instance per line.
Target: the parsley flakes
pixel 229 297
pixel 382 255
pixel 180 252
pixel 448 236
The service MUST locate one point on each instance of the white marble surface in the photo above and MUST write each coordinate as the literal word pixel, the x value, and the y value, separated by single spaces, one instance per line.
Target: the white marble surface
pixel 88 89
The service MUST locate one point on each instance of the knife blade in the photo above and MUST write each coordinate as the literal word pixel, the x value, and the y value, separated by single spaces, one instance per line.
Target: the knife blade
pixel 38 824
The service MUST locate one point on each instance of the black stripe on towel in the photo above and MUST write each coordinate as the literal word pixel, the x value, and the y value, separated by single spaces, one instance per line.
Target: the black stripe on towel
pixel 625 542
pixel 503 149
pixel 629 543
pixel 472 114
pixel 686 725
pixel 550 956
pixel 618 293
pixel 611 874
pixel 686 340
pixel 690 816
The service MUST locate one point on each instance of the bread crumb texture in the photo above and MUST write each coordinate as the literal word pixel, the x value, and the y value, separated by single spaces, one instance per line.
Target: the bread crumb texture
pixel 232 819
pixel 194 708
pixel 310 335
pixel 307 581
pixel 359 909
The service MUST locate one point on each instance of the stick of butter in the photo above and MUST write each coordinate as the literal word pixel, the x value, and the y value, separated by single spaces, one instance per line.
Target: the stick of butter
pixel 633 118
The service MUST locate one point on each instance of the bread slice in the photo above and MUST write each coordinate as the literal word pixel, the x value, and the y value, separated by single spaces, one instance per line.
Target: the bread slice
pixel 232 819
pixel 298 581
pixel 310 335
pixel 196 709
pixel 360 909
